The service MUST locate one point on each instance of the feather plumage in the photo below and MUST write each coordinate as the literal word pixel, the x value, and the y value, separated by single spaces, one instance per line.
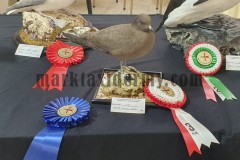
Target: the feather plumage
pixel 191 11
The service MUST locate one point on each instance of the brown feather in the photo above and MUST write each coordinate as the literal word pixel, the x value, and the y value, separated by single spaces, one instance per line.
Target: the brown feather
pixel 125 41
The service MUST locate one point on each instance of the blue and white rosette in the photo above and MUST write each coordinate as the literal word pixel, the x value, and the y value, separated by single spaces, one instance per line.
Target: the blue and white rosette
pixel 59 115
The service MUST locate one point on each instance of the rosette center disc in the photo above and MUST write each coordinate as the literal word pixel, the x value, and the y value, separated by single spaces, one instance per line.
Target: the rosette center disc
pixel 67 110
pixel 167 90
pixel 204 58
pixel 65 53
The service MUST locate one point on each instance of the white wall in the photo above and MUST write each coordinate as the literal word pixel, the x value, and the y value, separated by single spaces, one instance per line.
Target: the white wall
pixel 235 11
pixel 3 5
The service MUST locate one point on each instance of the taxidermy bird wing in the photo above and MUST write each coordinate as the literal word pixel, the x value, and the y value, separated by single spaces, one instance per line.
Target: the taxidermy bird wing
pixel 120 37
pixel 199 2
pixel 24 4
pixel 173 4
pixel 192 11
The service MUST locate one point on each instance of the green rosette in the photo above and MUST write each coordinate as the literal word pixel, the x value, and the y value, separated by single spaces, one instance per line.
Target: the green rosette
pixel 204 59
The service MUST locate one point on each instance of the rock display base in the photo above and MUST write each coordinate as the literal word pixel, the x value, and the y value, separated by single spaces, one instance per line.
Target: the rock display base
pixel 129 84
pixel 43 29
pixel 226 38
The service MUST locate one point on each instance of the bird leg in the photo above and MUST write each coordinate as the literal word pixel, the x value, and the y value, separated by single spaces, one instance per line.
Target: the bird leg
pixel 121 65
pixel 125 63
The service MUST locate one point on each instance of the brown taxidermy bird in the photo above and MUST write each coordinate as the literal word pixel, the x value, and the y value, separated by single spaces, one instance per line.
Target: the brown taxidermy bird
pixel 124 41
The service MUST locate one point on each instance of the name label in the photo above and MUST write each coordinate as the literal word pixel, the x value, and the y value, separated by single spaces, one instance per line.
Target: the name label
pixel 232 63
pixel 128 105
pixel 29 50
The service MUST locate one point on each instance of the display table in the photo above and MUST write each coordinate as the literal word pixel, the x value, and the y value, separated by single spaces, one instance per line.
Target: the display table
pixel 110 136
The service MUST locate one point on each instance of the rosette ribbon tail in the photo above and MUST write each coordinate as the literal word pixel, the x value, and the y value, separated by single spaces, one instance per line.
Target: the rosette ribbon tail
pixel 46 144
pixel 193 132
pixel 191 145
pixel 59 115
pixel 208 90
pixel 53 79
pixel 220 89
pixel 61 56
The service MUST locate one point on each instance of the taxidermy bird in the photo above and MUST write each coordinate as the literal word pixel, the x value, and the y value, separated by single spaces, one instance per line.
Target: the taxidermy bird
pixel 38 5
pixel 188 12
pixel 124 41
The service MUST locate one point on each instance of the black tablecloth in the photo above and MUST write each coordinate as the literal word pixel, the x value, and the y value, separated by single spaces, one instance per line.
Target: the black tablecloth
pixel 110 136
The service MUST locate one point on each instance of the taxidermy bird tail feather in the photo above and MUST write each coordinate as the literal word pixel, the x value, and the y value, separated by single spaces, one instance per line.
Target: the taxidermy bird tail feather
pixel 78 39
pixel 5 13
pixel 11 9
pixel 173 4
pixel 9 12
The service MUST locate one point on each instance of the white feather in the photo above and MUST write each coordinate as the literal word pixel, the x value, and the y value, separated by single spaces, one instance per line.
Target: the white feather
pixel 10 12
pixel 187 13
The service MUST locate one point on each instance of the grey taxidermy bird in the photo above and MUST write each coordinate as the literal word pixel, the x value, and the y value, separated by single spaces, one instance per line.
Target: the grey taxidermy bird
pixel 39 5
pixel 124 41
pixel 187 12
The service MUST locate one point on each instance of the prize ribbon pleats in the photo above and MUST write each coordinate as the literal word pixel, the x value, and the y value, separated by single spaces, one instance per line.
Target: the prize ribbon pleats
pixel 169 95
pixel 205 60
pixel 62 56
pixel 59 115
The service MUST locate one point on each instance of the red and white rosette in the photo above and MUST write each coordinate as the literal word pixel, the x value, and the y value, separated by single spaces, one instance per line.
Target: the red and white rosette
pixel 205 60
pixel 169 95
pixel 62 56
pixel 165 93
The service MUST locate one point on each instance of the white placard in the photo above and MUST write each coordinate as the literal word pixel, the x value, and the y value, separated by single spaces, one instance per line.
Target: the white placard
pixel 128 105
pixel 232 63
pixel 29 50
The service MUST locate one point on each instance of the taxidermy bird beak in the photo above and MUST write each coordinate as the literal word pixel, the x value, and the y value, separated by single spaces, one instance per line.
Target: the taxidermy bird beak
pixel 150 28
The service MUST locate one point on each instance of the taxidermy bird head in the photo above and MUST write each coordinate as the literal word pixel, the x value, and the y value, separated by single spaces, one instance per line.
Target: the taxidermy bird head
pixel 143 22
